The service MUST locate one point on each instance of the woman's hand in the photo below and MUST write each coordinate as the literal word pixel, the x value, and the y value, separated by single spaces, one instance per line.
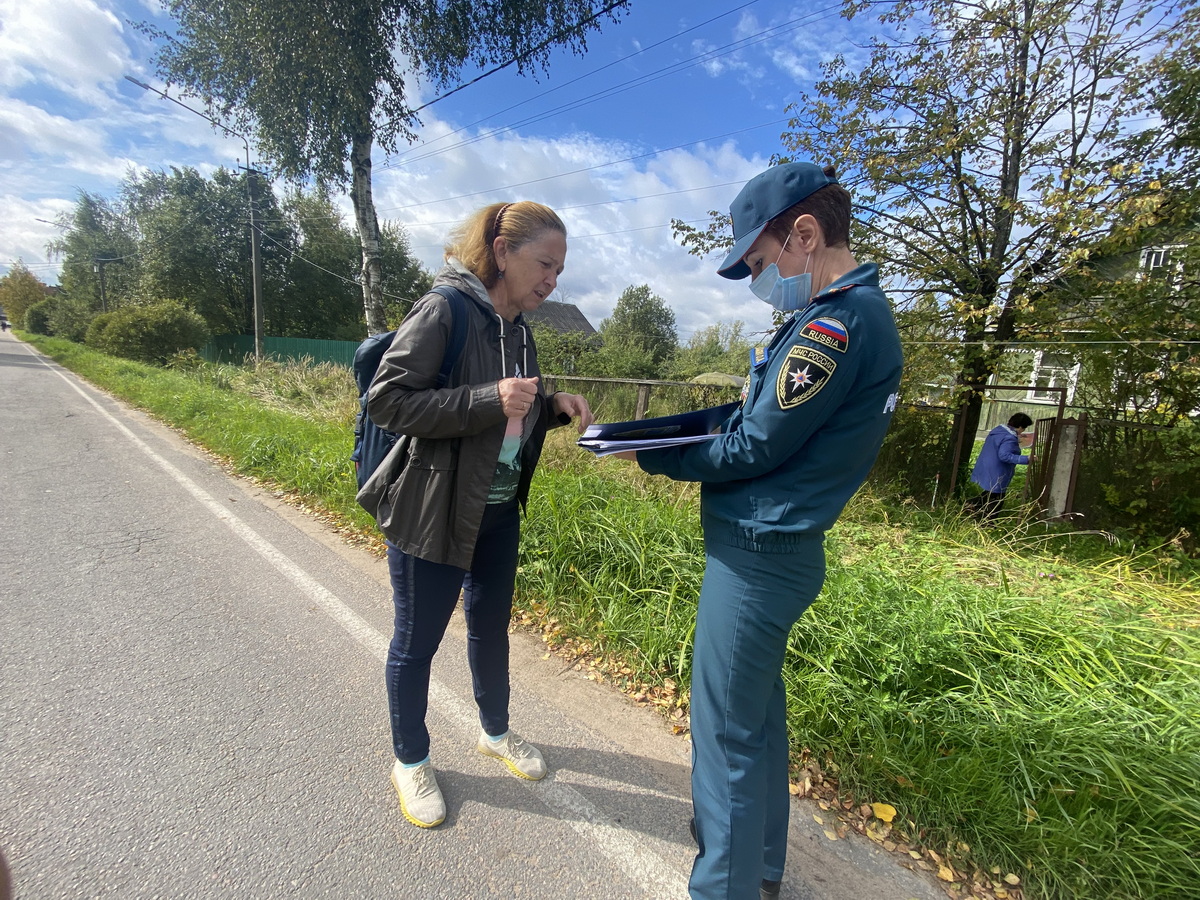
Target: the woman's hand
pixel 630 455
pixel 573 405
pixel 517 395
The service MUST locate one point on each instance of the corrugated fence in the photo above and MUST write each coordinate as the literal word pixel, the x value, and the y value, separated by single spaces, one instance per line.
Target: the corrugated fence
pixel 234 348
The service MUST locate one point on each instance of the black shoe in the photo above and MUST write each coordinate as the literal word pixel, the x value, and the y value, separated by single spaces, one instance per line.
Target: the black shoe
pixel 768 890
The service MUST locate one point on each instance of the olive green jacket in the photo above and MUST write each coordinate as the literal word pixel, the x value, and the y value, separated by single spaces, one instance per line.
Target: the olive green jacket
pixel 429 493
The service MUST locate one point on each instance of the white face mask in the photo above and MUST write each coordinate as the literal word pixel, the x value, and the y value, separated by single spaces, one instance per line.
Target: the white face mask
pixel 784 294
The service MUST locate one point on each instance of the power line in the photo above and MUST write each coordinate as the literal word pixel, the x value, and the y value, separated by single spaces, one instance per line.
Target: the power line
pixel 587 75
pixel 528 53
pixel 641 80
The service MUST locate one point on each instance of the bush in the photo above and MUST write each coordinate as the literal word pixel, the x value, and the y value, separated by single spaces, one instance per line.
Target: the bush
pixel 70 317
pixel 912 453
pixel 152 334
pixel 37 317
pixel 94 336
pixel 1140 481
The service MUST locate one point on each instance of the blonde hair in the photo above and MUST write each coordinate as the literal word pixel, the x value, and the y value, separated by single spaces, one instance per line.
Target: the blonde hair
pixel 518 223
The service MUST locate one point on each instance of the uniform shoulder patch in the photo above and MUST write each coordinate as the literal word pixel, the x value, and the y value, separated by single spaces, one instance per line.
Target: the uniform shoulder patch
pixel 827 331
pixel 804 372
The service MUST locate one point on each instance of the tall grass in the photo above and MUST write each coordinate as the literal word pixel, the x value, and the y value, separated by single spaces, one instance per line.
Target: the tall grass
pixel 1049 727
pixel 1026 710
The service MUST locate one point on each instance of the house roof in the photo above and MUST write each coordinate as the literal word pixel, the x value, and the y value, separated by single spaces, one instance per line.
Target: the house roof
pixel 562 317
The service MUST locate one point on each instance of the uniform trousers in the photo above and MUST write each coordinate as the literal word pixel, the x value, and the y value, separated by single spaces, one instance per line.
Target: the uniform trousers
pixel 424 594
pixel 749 601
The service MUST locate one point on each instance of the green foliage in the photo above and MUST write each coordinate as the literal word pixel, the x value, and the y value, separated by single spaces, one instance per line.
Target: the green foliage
pixel 1140 482
pixel 1046 726
pixel 151 334
pixel 194 243
pixel 1148 368
pixel 95 335
pixel 910 460
pixel 37 317
pixel 718 348
pixel 70 317
pixel 184 235
pixel 98 229
pixel 564 354
pixel 639 337
pixel 19 290
pixel 596 574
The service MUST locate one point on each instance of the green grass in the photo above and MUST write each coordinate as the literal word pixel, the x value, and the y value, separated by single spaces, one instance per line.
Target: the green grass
pixel 1042 713
pixel 1027 697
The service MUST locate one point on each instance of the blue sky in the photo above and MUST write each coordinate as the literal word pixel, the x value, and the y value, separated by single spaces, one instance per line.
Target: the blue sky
pixel 669 112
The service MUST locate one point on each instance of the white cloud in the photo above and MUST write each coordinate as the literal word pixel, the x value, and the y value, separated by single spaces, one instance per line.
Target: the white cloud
pixel 613 244
pixel 24 235
pixel 73 46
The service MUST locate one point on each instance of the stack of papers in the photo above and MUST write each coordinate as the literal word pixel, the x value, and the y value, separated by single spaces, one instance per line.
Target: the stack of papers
pixel 665 431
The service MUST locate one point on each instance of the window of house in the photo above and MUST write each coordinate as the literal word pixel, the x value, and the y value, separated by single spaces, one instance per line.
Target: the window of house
pixel 1160 262
pixel 1053 370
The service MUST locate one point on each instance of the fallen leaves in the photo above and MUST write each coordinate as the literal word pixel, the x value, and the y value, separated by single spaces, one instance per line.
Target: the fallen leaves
pixel 881 823
pixel 590 659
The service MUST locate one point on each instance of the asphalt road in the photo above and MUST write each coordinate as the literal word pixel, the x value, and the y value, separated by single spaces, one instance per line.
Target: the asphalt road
pixel 192 704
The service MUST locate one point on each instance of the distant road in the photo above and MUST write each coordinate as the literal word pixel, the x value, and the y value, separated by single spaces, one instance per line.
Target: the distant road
pixel 192 704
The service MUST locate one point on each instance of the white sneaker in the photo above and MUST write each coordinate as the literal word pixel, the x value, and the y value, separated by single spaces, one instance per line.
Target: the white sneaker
pixel 420 797
pixel 523 760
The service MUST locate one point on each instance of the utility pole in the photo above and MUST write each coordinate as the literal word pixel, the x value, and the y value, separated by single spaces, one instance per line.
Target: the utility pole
pixel 98 266
pixel 255 265
pixel 255 276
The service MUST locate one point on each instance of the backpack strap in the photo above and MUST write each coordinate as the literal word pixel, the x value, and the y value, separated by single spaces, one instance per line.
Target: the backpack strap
pixel 458 329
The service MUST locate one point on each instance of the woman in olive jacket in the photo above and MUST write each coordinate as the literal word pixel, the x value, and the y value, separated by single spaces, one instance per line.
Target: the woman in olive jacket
pixel 464 463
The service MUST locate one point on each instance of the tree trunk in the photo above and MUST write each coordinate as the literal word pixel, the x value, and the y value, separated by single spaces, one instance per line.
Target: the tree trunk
pixel 368 232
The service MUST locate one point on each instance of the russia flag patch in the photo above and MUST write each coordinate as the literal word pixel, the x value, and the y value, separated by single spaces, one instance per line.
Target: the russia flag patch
pixel 828 332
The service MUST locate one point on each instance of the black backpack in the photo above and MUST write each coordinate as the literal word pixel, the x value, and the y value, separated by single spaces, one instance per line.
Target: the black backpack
pixel 372 443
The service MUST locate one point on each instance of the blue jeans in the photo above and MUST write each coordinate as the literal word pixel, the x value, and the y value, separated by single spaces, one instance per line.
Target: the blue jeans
pixel 425 594
pixel 748 603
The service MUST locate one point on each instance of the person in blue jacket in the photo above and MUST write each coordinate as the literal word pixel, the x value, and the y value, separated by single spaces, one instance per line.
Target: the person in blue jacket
pixel 817 404
pixel 996 464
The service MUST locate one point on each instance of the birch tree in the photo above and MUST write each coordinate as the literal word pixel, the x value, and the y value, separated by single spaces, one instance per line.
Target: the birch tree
pixel 320 84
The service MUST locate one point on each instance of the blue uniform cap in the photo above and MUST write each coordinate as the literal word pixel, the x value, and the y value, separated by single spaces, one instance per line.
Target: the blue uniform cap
pixel 764 197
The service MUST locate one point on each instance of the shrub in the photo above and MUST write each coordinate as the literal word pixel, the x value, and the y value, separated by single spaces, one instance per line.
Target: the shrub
pixel 1141 481
pixel 37 317
pixel 94 337
pixel 152 334
pixel 912 452
pixel 70 317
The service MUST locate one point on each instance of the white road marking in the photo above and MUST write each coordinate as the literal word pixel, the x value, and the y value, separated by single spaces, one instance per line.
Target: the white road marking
pixel 641 865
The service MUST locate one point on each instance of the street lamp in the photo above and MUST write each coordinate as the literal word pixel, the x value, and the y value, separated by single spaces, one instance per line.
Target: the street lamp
pixel 256 277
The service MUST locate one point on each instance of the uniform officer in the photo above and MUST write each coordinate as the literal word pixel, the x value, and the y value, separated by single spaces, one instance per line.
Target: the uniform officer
pixel 818 403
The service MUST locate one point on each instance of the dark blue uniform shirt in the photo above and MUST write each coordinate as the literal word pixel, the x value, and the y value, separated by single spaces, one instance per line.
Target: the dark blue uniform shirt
pixel 810 428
